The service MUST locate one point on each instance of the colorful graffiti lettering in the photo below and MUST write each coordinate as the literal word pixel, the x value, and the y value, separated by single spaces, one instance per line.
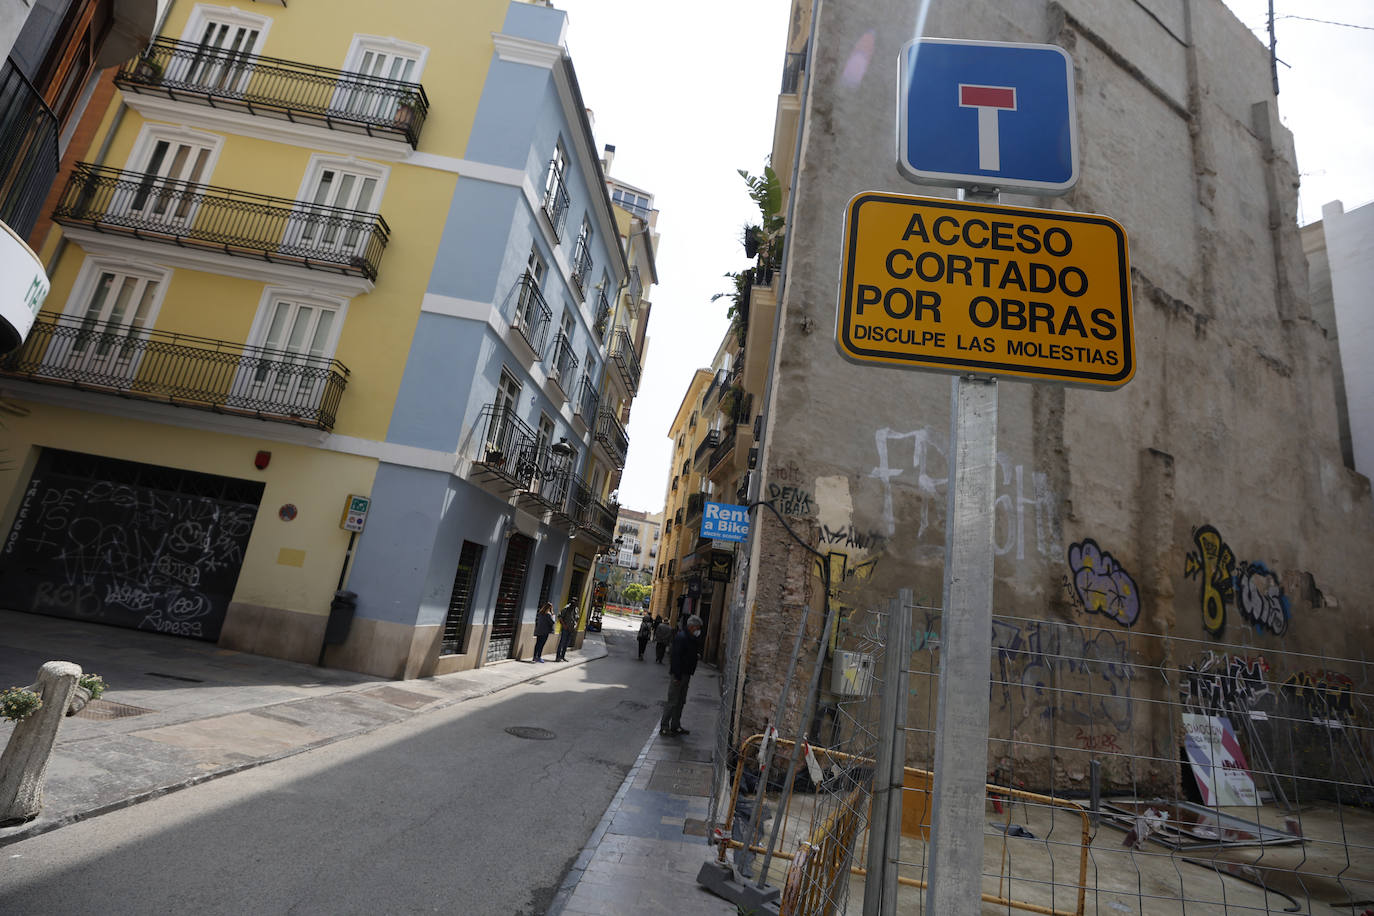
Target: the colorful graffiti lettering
pixel 1214 564
pixel 1251 587
pixel 1218 683
pixel 1261 598
pixel 1101 585
pixel 1323 694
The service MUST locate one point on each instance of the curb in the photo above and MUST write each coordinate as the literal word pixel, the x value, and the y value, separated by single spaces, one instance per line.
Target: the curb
pixel 39 825
pixel 584 858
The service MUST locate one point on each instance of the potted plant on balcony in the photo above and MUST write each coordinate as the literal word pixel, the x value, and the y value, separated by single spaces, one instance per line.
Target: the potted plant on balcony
pixel 148 69
pixel 406 107
pixel 495 456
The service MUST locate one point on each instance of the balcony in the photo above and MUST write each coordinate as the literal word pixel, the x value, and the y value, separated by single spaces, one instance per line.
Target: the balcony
pixel 587 400
pixel 28 151
pixel 591 515
pixel 532 316
pixel 626 359
pixel 708 442
pixel 507 445
pixel 236 223
pixel 556 199
pixel 726 446
pixel 181 370
pixel 695 503
pixel 612 436
pixel 792 68
pixel 548 478
pixel 564 363
pixel 603 315
pixel 581 264
pixel 281 89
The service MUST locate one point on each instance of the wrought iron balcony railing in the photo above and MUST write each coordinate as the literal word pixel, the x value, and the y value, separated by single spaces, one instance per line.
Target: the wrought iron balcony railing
pixel 726 446
pixel 612 435
pixel 282 89
pixel 507 444
pixel 549 476
pixel 600 519
pixel 581 264
pixel 556 199
pixel 695 503
pixel 708 442
pixel 626 359
pixel 532 315
pixel 181 370
pixel 237 223
pixel 587 399
pixel 564 362
pixel 636 287
pixel 603 315
pixel 28 150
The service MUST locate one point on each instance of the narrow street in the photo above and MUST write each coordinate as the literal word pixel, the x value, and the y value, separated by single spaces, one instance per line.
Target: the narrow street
pixel 446 812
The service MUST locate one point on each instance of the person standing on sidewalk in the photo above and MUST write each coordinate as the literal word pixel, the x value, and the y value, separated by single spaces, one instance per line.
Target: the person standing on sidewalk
pixel 646 630
pixel 663 635
pixel 568 621
pixel 682 664
pixel 543 626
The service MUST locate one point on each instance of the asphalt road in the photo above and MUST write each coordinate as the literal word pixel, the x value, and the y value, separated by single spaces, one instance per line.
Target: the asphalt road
pixel 446 812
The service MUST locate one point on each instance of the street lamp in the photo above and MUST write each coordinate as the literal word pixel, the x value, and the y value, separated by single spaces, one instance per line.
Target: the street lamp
pixel 561 448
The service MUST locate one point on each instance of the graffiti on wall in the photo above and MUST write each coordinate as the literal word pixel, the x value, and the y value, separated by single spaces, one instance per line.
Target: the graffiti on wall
pixel 1218 682
pixel 1101 585
pixel 1325 695
pixel 1027 511
pixel 791 501
pixel 1224 581
pixel 1053 671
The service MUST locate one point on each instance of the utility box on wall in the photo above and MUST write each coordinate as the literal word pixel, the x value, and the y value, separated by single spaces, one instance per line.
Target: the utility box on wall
pixel 852 674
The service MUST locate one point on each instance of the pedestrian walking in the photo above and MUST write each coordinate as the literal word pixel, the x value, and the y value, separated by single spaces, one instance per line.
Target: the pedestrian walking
pixel 568 621
pixel 682 664
pixel 663 635
pixel 543 626
pixel 646 630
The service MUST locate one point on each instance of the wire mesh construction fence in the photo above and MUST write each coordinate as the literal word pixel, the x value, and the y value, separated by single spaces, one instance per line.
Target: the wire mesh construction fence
pixel 1127 772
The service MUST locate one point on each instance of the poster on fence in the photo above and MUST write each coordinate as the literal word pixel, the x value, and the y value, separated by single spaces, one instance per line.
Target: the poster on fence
pixel 1223 776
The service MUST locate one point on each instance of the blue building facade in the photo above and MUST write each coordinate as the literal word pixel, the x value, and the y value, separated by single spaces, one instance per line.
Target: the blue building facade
pixel 505 440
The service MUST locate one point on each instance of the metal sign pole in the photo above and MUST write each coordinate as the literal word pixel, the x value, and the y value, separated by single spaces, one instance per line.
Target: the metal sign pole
pixel 961 734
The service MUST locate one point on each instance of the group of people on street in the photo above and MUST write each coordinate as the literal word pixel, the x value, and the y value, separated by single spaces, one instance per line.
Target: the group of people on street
pixel 660 631
pixel 682 647
pixel 543 627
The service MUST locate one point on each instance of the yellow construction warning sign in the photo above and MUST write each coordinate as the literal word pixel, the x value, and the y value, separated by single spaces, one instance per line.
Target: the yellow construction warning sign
pixel 966 287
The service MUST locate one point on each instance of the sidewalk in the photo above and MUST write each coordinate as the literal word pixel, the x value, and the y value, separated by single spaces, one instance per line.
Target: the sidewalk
pixel 645 854
pixel 180 712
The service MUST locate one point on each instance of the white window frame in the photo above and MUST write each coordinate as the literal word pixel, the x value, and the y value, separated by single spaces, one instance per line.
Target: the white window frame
pixel 148 138
pixel 318 163
pixel 202 13
pixel 385 44
pixel 262 321
pixel 74 311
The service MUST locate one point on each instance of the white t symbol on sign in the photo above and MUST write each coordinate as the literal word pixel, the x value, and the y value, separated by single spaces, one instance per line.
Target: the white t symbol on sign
pixel 988 100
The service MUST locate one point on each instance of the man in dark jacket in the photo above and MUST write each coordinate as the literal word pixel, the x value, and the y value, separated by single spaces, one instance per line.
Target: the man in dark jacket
pixel 567 620
pixel 682 664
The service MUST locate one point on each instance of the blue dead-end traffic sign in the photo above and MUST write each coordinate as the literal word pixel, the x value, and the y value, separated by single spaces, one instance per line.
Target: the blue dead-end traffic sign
pixel 986 113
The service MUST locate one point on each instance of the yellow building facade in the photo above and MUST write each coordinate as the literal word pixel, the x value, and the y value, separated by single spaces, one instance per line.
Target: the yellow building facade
pixel 246 274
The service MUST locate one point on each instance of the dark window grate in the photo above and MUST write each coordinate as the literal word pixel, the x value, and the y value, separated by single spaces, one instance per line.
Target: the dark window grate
pixel 460 600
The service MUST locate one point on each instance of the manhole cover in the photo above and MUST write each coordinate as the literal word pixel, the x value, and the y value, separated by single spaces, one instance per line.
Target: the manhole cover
pixel 694 826
pixel 108 709
pixel 530 732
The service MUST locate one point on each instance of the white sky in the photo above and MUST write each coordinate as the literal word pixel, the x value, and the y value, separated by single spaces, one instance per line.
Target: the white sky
pixel 687 99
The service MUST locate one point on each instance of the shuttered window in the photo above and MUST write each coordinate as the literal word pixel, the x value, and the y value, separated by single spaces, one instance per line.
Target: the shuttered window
pixel 460 600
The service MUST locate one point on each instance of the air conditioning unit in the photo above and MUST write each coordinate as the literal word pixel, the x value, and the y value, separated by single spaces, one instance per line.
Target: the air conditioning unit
pixel 851 674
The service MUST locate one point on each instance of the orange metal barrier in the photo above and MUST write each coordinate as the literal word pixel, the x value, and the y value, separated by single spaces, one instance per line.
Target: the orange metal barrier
pixel 816 870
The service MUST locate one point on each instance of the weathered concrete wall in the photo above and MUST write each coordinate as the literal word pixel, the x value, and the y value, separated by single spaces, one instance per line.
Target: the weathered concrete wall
pixel 1228 432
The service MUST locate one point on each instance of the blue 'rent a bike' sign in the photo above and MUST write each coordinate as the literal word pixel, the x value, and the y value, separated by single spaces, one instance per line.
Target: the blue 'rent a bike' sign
pixel 725 522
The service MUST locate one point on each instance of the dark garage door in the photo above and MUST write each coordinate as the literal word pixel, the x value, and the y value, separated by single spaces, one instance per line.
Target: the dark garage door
pixel 128 544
